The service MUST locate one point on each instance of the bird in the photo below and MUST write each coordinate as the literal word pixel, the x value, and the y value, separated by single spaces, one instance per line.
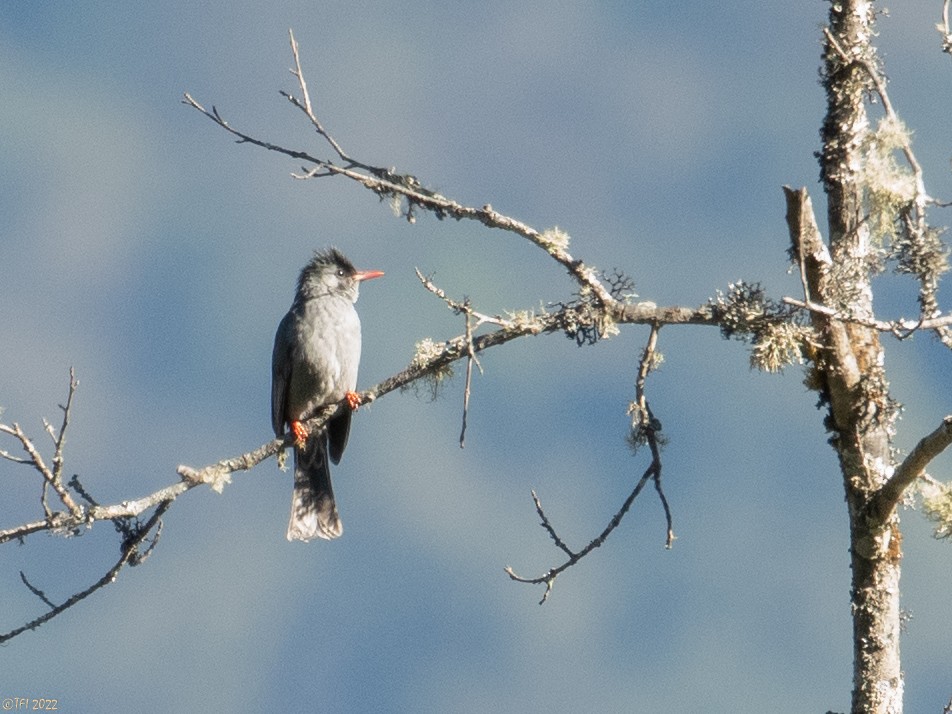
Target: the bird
pixel 313 365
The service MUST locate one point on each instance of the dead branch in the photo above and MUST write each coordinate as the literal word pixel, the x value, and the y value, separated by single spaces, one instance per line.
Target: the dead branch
pixel 76 517
pixel 599 307
pixel 946 33
pixel 911 468
pixel 930 259
pixel 217 475
pixel 648 431
pixel 130 556
pixel 387 183
pixel 50 476
pixel 901 328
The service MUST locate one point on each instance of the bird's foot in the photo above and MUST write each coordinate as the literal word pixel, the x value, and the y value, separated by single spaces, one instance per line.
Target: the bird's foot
pixel 353 400
pixel 300 433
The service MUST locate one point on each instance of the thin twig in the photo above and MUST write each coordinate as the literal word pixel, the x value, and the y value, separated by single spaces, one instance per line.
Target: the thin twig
pixel 560 544
pixel 651 425
pixel 306 107
pixel 650 428
pixel 946 32
pixel 460 307
pixel 4 454
pixel 60 439
pixel 129 552
pixel 549 577
pixel 900 328
pixel 386 182
pixel 36 591
pixel 78 487
pixel 44 500
pixel 645 365
pixel 36 460
pixel 914 216
pixel 470 358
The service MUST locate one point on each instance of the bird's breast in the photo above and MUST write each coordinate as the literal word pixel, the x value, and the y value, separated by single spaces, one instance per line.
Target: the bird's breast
pixel 325 359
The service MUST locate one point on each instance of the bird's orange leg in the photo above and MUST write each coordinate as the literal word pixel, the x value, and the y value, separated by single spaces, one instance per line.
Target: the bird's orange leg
pixel 300 433
pixel 353 400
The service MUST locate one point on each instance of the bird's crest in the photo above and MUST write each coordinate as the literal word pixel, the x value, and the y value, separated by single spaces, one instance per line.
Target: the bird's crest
pixel 321 261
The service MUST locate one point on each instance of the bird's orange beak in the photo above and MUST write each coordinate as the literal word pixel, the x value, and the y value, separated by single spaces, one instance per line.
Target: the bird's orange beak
pixel 367 275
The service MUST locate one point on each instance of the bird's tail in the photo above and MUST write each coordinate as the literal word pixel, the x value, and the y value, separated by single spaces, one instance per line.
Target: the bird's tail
pixel 313 510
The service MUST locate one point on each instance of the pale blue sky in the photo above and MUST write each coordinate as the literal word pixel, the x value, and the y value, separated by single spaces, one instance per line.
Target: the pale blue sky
pixel 146 249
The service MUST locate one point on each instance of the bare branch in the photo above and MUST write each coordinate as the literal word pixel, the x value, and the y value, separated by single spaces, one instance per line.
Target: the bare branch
pixel 48 428
pixel 461 307
pixel 129 553
pixel 307 108
pixel 548 527
pixel 53 523
pixel 10 457
pixel 470 359
pixel 652 427
pixel 36 591
pixel 51 477
pixel 466 309
pixel 245 138
pixel 946 33
pixel 911 468
pixel 901 328
pixel 649 430
pixel 645 365
pixel 36 460
pixel 549 577
pixel 924 256
pixel 387 183
pixel 60 438
pixel 217 475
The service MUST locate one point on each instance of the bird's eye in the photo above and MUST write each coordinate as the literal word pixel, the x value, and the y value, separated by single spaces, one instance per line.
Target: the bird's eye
pixel 340 272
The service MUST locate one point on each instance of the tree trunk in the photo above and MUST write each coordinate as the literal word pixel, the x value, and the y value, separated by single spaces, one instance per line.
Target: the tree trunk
pixel 850 361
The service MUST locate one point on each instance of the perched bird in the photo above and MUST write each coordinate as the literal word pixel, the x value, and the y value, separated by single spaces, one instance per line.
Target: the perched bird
pixel 314 364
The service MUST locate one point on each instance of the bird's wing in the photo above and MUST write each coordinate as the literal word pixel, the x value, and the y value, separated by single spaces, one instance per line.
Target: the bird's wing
pixel 338 429
pixel 281 360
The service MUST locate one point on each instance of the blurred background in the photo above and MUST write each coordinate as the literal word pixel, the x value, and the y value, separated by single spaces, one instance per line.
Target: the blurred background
pixel 142 246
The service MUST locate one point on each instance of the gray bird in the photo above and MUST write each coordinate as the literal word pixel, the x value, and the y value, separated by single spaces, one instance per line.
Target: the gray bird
pixel 314 364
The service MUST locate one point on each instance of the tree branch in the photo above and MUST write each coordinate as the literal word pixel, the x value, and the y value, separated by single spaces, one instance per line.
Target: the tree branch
pixel 919 252
pixel 130 556
pixel 217 475
pixel 911 468
pixel 387 183
pixel 901 328
pixel 946 33
pixel 598 306
pixel 52 477
pixel 646 429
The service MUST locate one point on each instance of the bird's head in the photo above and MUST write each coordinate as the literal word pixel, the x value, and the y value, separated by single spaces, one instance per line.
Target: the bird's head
pixel 330 273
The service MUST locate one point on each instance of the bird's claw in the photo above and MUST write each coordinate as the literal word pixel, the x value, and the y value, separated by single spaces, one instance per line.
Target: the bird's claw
pixel 353 400
pixel 300 433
